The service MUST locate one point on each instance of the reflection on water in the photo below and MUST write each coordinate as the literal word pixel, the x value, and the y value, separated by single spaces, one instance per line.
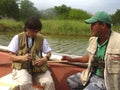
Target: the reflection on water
pixel 73 45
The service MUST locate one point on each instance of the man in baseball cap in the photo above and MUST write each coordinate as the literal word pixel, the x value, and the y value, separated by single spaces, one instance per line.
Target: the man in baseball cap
pixel 103 58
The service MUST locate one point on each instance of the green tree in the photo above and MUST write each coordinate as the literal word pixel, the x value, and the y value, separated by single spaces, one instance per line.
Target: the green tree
pixel 9 8
pixel 62 11
pixel 27 9
pixel 116 17
pixel 78 14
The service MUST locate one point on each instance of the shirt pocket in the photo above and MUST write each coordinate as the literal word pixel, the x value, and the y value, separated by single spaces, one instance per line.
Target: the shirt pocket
pixel 113 61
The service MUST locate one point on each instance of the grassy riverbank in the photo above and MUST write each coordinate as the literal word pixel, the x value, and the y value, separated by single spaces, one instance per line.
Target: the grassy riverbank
pixel 56 27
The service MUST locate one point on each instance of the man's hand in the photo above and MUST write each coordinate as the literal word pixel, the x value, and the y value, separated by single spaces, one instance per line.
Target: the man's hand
pixel 14 57
pixel 67 58
pixel 83 59
pixel 27 57
pixel 40 61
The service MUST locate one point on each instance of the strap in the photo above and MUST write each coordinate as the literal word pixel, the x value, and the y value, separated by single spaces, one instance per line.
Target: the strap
pixel 29 48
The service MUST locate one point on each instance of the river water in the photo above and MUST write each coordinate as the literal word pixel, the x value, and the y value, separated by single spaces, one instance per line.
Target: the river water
pixel 72 45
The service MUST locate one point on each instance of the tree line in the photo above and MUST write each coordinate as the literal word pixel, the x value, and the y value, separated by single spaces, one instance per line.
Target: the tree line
pixel 21 9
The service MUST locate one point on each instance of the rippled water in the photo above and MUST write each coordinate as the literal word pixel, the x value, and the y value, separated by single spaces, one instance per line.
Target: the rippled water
pixel 73 45
pixel 68 45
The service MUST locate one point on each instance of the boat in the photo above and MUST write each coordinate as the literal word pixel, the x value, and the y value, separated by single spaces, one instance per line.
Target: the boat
pixel 60 69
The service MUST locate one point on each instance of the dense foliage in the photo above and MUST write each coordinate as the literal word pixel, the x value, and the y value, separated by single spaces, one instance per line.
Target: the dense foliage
pixel 9 8
pixel 27 9
pixel 22 9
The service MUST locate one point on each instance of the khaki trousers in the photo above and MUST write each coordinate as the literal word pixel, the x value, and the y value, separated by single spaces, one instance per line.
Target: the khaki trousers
pixel 18 79
pixel 45 80
pixel 23 79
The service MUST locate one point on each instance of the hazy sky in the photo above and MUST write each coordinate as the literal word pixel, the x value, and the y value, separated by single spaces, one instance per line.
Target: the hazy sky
pixel 90 6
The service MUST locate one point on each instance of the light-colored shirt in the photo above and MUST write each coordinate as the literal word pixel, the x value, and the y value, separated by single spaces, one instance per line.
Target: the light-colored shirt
pixel 13 45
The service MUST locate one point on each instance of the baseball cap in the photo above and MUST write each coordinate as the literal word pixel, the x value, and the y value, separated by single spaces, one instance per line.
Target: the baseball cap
pixel 99 16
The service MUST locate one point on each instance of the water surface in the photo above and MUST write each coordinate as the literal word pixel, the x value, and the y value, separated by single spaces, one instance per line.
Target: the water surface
pixel 73 45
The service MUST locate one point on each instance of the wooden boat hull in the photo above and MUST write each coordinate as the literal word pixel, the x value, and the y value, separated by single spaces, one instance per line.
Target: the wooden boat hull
pixel 60 70
pixel 5 64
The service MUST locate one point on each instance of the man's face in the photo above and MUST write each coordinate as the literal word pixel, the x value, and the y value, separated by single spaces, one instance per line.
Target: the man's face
pixel 31 33
pixel 96 29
